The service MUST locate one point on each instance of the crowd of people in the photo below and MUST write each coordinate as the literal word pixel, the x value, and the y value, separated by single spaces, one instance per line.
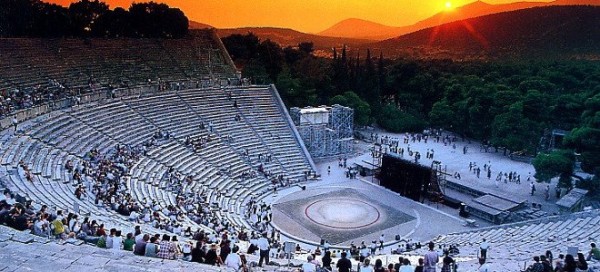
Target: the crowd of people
pixel 565 262
pixel 196 246
pixel 14 99
pixel 426 263
pixel 483 170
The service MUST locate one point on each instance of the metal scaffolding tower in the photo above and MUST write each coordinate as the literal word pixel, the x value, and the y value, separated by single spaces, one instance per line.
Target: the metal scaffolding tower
pixel 326 131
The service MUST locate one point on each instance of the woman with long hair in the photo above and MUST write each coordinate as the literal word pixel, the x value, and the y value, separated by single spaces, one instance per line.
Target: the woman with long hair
pixel 581 263
pixel 378 266
pixel 570 264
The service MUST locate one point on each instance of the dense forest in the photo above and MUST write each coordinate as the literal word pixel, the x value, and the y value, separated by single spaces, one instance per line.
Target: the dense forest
pixel 90 18
pixel 511 105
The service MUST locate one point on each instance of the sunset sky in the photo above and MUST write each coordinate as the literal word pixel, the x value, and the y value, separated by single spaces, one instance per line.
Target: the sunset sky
pixel 304 15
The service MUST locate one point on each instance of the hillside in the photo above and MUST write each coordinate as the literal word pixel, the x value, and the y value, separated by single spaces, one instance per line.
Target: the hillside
pixel 358 28
pixel 197 25
pixel 290 37
pixel 568 31
pixel 355 28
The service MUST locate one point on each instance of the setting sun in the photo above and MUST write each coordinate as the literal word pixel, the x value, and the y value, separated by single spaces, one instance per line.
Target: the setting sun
pixel 448 5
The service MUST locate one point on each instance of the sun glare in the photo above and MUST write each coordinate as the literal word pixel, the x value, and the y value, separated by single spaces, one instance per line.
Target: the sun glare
pixel 448 5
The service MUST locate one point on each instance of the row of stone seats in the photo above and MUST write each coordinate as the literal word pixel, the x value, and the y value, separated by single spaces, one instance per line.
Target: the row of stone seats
pixel 117 121
pixel 73 62
pixel 45 188
pixel 516 243
pixel 167 112
pixel 185 161
pixel 220 155
pixel 219 109
pixel 61 196
pixel 205 174
pixel 260 108
pixel 213 101
pixel 69 134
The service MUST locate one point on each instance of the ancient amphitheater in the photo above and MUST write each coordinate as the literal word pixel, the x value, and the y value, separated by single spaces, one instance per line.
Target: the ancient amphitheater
pixel 165 128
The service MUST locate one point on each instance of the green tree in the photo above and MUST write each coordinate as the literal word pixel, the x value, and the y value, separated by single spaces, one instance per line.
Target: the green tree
pixel 394 120
pixel 514 131
pixel 84 14
pixel 242 47
pixel 586 141
pixel 306 47
pixel 271 56
pixel 362 110
pixel 292 92
pixel 154 20
pixel 557 163
pixel 442 115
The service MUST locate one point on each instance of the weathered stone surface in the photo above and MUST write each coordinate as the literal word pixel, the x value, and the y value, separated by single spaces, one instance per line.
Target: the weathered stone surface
pixel 92 260
pixel 23 238
pixel 5 237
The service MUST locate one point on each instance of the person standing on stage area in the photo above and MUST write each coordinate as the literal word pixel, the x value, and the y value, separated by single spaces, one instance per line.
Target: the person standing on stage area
pixel 483 248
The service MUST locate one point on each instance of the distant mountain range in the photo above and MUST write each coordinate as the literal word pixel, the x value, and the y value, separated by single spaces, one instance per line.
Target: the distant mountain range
pixel 286 36
pixel 455 30
pixel 564 31
pixel 290 37
pixel 356 28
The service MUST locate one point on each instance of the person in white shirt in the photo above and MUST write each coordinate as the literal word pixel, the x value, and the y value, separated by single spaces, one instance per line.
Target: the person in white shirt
pixel 431 259
pixel 10 200
pixel 326 246
pixel 42 226
pixel 233 260
pixel 117 241
pixel 59 215
pixel 177 229
pixel 133 216
pixel 147 217
pixel 364 253
pixel 365 266
pixel 264 247
pixel 406 267
pixel 186 249
pixel 309 266
pixel 4 196
pixel 72 223
pixel 483 267
pixel 483 248
pixel 15 123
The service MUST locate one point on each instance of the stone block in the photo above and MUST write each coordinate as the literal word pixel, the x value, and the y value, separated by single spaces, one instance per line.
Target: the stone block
pixel 41 240
pixel 23 238
pixel 5 237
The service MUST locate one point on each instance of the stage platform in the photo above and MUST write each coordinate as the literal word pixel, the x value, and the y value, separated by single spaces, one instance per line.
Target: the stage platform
pixel 348 211
pixel 492 206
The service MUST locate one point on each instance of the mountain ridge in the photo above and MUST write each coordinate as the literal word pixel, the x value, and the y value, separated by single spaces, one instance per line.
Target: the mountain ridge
pixel 291 37
pixel 570 31
pixel 352 29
